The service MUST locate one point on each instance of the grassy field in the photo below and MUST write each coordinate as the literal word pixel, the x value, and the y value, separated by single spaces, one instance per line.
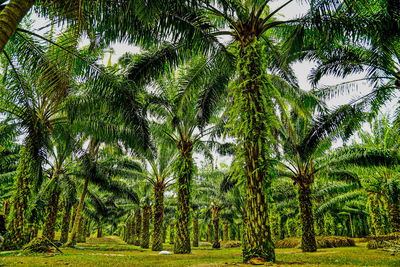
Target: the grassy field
pixel 110 251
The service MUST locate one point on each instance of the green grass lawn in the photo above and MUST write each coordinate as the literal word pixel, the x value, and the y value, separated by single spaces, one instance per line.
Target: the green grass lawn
pixel 112 252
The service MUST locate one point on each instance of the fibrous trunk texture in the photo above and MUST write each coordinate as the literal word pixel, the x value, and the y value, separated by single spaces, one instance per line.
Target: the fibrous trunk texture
pixel 158 213
pixel 65 223
pixel 215 211
pixel 131 231
pixel 226 231
pixel 195 232
pixel 184 171
pixel 210 232
pixel 375 212
pixel 10 17
pixel 52 210
pixel 252 115
pixel 308 242
pixel 81 227
pixel 146 227
pixel 17 236
pixel 216 243
pixel 394 216
pixel 138 227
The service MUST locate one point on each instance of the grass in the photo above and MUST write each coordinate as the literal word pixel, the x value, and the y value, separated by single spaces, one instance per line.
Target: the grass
pixel 110 251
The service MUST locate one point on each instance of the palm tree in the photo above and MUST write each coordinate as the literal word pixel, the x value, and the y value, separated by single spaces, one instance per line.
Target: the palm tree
pixel 99 168
pixel 64 145
pixel 304 141
pixel 383 183
pixel 159 176
pixel 35 107
pixel 185 115
pixel 212 187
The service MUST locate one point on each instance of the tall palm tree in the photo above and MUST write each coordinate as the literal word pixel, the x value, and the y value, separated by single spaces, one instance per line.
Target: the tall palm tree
pixel 160 177
pixel 100 169
pixel 304 141
pixel 184 115
pixel 35 106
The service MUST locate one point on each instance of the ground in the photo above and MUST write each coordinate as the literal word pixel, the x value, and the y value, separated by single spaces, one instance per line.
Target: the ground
pixel 111 251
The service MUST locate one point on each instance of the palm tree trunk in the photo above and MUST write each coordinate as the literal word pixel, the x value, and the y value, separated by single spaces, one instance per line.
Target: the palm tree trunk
pixel 74 208
pixel 308 242
pixel 6 208
pixel 79 233
pixel 65 223
pixel 146 227
pixel 226 231
pixel 158 211
pixel 394 216
pixel 138 227
pixel 16 237
pixel 216 243
pixel 73 237
pixel 164 233
pixel 376 217
pixel 99 231
pixel 10 17
pixel 210 232
pixel 195 232
pixel 171 233
pixel 185 172
pixel 52 211
pixel 251 117
pixel 81 238
pixel 131 231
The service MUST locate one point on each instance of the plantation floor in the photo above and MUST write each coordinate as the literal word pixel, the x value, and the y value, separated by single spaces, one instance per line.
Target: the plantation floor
pixel 110 251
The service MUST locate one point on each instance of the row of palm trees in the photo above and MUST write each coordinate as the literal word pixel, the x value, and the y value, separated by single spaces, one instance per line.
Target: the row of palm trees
pixel 260 104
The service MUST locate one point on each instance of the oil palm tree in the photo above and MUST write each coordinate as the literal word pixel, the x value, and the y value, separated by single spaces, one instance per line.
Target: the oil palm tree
pixel 35 107
pixel 383 180
pixel 185 109
pixel 100 169
pixel 160 177
pixel 304 141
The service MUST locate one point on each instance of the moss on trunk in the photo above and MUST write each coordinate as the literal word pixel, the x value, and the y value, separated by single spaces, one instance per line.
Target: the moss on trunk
pixel 138 227
pixel 146 227
pixel 251 119
pixel 215 211
pixel 226 231
pixel 308 242
pixel 65 223
pixel 52 211
pixel 184 170
pixel 195 232
pixel 131 230
pixel 394 216
pixel 17 235
pixel 210 233
pixel 158 211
